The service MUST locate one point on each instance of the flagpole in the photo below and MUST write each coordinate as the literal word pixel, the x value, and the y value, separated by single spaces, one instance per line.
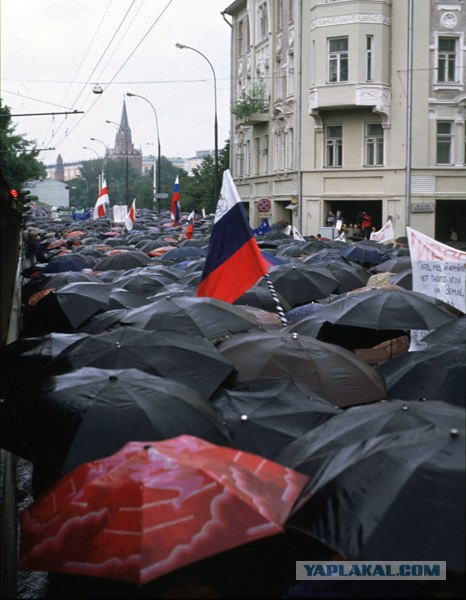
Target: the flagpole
pixel 276 299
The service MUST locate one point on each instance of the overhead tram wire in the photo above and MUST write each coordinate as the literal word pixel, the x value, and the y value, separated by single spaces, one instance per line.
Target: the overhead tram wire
pixel 84 86
pixel 97 98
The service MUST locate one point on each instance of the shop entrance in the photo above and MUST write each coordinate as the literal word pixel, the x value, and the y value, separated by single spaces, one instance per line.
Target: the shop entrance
pixel 352 208
pixel 450 214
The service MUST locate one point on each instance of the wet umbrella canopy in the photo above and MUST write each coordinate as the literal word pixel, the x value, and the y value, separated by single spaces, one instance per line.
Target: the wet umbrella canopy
pixel 206 317
pixel 194 361
pixel 436 373
pixel 263 416
pixel 333 373
pixel 154 507
pixel 397 494
pixel 91 413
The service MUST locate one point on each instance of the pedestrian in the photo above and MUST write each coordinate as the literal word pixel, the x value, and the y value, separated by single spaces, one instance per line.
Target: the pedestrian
pixel 330 220
pixel 366 224
pixel 453 235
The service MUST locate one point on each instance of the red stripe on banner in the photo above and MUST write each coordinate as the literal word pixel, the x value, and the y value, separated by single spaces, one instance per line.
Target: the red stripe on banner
pixel 234 276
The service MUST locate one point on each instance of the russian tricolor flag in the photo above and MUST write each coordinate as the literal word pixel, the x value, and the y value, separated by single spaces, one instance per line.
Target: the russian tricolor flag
pixel 190 227
pixel 234 262
pixel 175 205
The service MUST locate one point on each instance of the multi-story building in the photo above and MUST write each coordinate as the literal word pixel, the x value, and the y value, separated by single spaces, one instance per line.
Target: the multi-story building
pixel 350 105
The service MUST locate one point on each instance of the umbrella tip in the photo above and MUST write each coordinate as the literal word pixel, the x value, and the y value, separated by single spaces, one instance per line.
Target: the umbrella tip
pixel 294 336
pixel 244 417
pixel 113 378
pixel 454 433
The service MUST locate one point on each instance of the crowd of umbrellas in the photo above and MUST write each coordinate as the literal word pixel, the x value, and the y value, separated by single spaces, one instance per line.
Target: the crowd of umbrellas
pixel 166 428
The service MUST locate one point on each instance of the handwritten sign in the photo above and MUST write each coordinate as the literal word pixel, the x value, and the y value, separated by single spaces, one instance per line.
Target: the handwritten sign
pixel 385 234
pixel 439 270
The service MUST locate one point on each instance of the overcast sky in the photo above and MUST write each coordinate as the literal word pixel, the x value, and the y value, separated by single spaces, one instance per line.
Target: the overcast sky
pixel 54 51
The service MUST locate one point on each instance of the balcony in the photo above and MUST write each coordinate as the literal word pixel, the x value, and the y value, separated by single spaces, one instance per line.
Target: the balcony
pixel 351 95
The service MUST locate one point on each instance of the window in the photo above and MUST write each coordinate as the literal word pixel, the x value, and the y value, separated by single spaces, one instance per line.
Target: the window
pixel 257 152
pixel 262 21
pixel 279 14
pixel 446 61
pixel 338 60
pixel 369 57
pixel 444 143
pixel 289 149
pixel 334 145
pixel 374 144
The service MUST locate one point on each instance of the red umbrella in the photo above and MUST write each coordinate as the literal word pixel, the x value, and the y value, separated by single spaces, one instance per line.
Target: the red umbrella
pixel 152 508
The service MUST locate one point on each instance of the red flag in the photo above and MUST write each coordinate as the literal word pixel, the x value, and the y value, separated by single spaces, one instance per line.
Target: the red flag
pixel 234 262
pixel 131 216
pixel 175 205
pixel 102 200
pixel 190 228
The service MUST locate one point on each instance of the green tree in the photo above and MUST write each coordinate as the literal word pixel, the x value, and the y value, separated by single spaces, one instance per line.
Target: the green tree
pixel 18 156
pixel 199 189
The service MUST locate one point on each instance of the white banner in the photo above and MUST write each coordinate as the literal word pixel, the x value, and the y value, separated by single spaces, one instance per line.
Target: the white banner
pixel 385 234
pixel 119 213
pixel 438 270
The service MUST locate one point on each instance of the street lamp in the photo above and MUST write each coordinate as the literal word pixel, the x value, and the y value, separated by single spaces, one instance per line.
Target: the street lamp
pixel 182 47
pixel 92 149
pixel 126 148
pixel 106 152
pixel 157 181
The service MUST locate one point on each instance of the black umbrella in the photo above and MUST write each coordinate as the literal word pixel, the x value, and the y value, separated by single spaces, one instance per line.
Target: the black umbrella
pixel 397 494
pixel 263 416
pixel 110 319
pixel 436 373
pixel 205 317
pixel 452 333
pixel 144 282
pixel 387 308
pixel 121 298
pixel 54 281
pixel 194 361
pixel 403 279
pixel 394 264
pixel 303 284
pixel 183 253
pixel 331 372
pixel 362 253
pixel 350 276
pixel 123 260
pixel 360 423
pixel 91 413
pixel 24 358
pixel 67 262
pixel 67 309
pixel 261 297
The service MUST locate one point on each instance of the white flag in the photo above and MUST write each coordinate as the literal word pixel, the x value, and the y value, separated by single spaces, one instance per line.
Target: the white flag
pixel 131 216
pixel 297 235
pixel 102 200
pixel 385 234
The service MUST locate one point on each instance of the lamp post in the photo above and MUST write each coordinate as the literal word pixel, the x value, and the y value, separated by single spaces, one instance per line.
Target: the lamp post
pixel 106 152
pixel 95 151
pixel 157 181
pixel 126 152
pixel 216 177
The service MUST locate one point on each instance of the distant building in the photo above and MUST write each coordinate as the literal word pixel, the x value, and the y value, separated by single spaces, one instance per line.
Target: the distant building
pixel 124 146
pixel 53 193
pixel 59 174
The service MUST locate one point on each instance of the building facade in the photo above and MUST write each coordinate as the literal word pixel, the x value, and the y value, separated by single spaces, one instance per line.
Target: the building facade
pixel 350 105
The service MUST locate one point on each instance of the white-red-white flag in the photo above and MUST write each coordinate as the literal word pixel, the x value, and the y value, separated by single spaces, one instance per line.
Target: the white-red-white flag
pixel 100 208
pixel 131 216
